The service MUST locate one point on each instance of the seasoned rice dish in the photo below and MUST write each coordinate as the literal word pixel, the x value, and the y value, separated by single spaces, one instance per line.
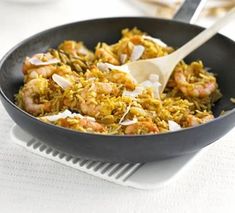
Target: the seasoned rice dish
pixel 77 88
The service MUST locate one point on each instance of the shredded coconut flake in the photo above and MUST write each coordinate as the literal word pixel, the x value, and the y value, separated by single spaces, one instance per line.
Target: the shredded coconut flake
pixel 67 114
pixel 62 82
pixel 232 100
pixel 123 58
pixel 103 67
pixel 155 40
pixel 38 62
pixel 124 115
pixel 144 85
pixel 89 118
pixel 128 122
pixel 60 115
pixel 173 126
pixel 82 50
pixel 137 52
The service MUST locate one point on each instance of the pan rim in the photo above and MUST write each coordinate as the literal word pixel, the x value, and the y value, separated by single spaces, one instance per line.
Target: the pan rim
pixel 18 45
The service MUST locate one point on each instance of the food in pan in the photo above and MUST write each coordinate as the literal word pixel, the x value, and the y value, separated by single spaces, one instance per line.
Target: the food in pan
pixel 76 88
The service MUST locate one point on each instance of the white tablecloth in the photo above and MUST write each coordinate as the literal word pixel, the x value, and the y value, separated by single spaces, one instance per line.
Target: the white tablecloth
pixel 29 183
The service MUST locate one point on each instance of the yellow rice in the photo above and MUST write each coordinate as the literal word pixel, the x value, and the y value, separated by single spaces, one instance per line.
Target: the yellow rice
pixel 99 94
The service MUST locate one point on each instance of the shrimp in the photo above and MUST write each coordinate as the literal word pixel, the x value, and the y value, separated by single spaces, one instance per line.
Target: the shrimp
pixel 105 53
pixel 38 60
pixel 99 88
pixel 30 91
pixel 93 125
pixel 131 32
pixel 44 71
pixel 142 127
pixel 39 65
pixel 202 87
pixel 124 47
pixel 66 72
pixel 69 47
pixel 90 106
pixel 48 71
pixel 120 77
pixel 27 65
pixel 81 124
pixel 74 48
pixel 97 109
pixel 192 120
pixel 136 39
pixel 105 88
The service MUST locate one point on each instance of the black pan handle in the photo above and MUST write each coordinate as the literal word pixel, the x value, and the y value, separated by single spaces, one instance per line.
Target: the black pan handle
pixel 189 11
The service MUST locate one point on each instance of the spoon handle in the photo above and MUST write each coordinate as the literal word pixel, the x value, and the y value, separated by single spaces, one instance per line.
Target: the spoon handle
pixel 201 38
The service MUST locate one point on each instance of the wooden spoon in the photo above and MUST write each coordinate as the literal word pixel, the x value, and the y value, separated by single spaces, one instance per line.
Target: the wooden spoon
pixel 164 66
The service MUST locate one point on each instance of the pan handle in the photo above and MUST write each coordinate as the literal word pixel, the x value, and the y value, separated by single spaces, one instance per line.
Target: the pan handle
pixel 189 11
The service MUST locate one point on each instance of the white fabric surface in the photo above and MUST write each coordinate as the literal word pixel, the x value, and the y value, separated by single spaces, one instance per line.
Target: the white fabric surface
pixel 29 183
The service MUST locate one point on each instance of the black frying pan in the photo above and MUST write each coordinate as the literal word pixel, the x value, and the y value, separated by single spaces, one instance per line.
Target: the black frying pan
pixel 218 54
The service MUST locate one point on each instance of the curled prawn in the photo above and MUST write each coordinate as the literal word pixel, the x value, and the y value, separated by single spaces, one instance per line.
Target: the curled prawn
pixel 105 53
pixel 84 123
pixel 200 88
pixel 74 48
pixel 144 126
pixel 192 120
pixel 44 71
pixel 104 88
pixel 89 106
pixel 93 125
pixel 38 60
pixel 39 65
pixel 29 93
pixel 69 47
pixel 99 88
pixel 120 77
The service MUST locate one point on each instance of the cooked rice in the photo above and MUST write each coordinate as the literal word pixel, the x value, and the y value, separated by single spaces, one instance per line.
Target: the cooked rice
pixel 76 81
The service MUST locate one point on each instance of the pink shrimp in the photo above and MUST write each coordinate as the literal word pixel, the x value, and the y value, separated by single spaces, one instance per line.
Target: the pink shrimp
pixel 119 77
pixel 38 60
pixel 105 53
pixel 199 89
pixel 144 126
pixel 91 108
pixel 44 71
pixel 76 123
pixel 32 89
pixel 39 65
pixel 192 120
pixel 95 126
pixel 74 48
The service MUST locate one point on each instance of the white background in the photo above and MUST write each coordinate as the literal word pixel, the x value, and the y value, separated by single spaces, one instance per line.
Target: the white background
pixel 29 183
